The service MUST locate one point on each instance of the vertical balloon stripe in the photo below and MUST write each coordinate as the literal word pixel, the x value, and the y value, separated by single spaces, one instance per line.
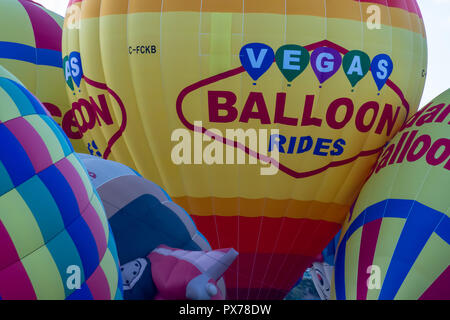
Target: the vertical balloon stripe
pixel 443 229
pixel 110 270
pixel 119 293
pixel 95 225
pixel 43 24
pixel 419 226
pixel 62 194
pixel 6 184
pixel 76 184
pixel 439 289
pixel 84 176
pixel 220 42
pixel 20 223
pixel 64 142
pixel 52 144
pixel 32 143
pixel 366 253
pixel 44 275
pixel 339 270
pixel 84 241
pixel 113 250
pixel 41 203
pixel 70 212
pixel 84 293
pixel 98 285
pixel 37 105
pixel 368 216
pixel 9 108
pixel 352 250
pixel 98 206
pixel 9 254
pixel 417 281
pixel 385 249
pixel 65 254
pixel 15 283
pixel 24 105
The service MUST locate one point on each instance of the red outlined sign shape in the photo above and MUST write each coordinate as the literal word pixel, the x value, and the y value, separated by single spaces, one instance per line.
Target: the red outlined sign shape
pixel 123 125
pixel 291 172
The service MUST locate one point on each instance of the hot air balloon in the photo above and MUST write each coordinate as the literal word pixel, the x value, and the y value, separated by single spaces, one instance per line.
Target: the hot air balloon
pixel 261 118
pixel 395 242
pixel 54 236
pixel 30 48
pixel 145 222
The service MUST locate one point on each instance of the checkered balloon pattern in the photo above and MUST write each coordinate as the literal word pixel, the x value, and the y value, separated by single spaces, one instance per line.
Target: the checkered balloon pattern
pixel 55 239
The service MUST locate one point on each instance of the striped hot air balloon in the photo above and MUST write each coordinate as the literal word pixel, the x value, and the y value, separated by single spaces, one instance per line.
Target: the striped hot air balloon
pixel 261 118
pixel 396 242
pixel 30 48
pixel 55 241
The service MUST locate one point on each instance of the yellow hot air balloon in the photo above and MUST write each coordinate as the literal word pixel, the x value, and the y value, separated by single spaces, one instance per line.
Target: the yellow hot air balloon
pixel 30 48
pixel 395 243
pixel 261 118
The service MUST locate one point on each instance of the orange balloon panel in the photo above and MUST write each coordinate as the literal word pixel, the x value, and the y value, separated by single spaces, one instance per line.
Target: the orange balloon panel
pixel 261 118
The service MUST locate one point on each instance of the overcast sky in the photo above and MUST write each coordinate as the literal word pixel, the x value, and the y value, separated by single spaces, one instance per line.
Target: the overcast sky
pixel 436 14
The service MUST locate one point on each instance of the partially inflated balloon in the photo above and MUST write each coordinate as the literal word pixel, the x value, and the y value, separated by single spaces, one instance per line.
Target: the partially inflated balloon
pixel 124 191
pixel 30 48
pixel 142 216
pixel 55 241
pixel 396 242
pixel 163 81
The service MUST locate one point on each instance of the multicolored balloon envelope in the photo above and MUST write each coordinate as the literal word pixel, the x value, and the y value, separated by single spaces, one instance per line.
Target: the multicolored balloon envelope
pixel 142 215
pixel 260 118
pixel 396 242
pixel 54 236
pixel 30 48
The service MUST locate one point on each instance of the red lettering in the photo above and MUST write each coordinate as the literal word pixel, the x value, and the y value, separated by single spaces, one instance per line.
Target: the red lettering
pixel 408 143
pixel 443 115
pixel 410 122
pixel 69 124
pixel 431 155
pixel 85 124
pixel 362 112
pixel 333 109
pixel 307 120
pixel 430 115
pixel 387 118
pixel 280 106
pixel 54 110
pixel 385 158
pixel 255 98
pixel 398 148
pixel 425 140
pixel 215 106
pixel 103 111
